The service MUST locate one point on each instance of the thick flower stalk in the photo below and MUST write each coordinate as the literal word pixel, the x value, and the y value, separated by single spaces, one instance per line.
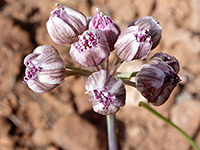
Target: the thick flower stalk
pixel 104 23
pixel 44 69
pixel 65 24
pixel 133 43
pixel 91 49
pixel 105 93
pixel 150 24
pixel 156 82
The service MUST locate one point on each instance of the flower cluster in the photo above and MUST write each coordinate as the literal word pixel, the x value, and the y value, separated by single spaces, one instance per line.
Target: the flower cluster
pixel 92 40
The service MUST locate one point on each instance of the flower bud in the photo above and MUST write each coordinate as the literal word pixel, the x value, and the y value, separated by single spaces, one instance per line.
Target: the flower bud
pixel 170 60
pixel 133 43
pixel 156 82
pixel 105 93
pixel 91 49
pixel 150 24
pixel 44 69
pixel 107 25
pixel 65 24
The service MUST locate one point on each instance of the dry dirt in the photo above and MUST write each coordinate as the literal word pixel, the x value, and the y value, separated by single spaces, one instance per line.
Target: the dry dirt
pixel 63 118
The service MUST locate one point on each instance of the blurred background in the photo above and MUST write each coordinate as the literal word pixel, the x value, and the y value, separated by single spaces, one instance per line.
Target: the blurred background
pixel 63 119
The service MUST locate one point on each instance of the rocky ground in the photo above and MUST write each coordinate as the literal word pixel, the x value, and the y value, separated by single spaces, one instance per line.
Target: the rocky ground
pixel 63 118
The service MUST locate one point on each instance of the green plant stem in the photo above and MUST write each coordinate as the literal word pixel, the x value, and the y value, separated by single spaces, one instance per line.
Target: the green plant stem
pixel 130 83
pixel 111 132
pixel 126 75
pixel 189 139
pixel 77 73
pixel 76 69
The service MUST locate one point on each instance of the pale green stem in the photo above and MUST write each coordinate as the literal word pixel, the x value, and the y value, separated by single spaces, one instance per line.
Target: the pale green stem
pixel 189 139
pixel 76 69
pixel 126 75
pixel 130 83
pixel 111 132
pixel 77 73
pixel 107 65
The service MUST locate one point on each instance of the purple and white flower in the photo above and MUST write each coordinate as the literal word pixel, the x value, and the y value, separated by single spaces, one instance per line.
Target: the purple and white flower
pixel 91 49
pixel 133 43
pixel 106 94
pixel 65 24
pixel 104 23
pixel 150 24
pixel 170 60
pixel 44 69
pixel 156 82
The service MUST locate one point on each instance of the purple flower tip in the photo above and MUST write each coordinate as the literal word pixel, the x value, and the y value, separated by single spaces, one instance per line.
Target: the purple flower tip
pixel 100 21
pixel 44 69
pixel 104 98
pixel 106 94
pixel 133 43
pixel 87 41
pixel 31 71
pixel 142 35
pixel 91 49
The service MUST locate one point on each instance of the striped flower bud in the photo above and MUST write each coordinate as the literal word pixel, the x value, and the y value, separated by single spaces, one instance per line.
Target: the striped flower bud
pixel 105 93
pixel 170 60
pixel 44 69
pixel 65 24
pixel 91 49
pixel 107 25
pixel 133 43
pixel 150 24
pixel 156 82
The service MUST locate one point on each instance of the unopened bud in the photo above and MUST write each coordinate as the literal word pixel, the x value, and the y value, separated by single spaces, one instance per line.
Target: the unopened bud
pixel 91 49
pixel 44 69
pixel 150 24
pixel 65 24
pixel 156 82
pixel 107 25
pixel 105 93
pixel 133 43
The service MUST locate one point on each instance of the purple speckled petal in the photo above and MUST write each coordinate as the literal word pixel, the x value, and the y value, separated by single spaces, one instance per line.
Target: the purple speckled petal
pixel 44 69
pixel 107 25
pixel 133 43
pixel 65 24
pixel 150 24
pixel 105 93
pixel 91 49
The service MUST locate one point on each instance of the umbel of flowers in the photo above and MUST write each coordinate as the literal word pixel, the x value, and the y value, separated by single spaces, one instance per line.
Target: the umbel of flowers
pixel 92 40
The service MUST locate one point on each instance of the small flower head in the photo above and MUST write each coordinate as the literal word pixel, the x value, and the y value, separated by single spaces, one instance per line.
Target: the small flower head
pixel 156 82
pixel 106 94
pixel 65 24
pixel 170 60
pixel 133 43
pixel 44 69
pixel 150 24
pixel 91 49
pixel 107 25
